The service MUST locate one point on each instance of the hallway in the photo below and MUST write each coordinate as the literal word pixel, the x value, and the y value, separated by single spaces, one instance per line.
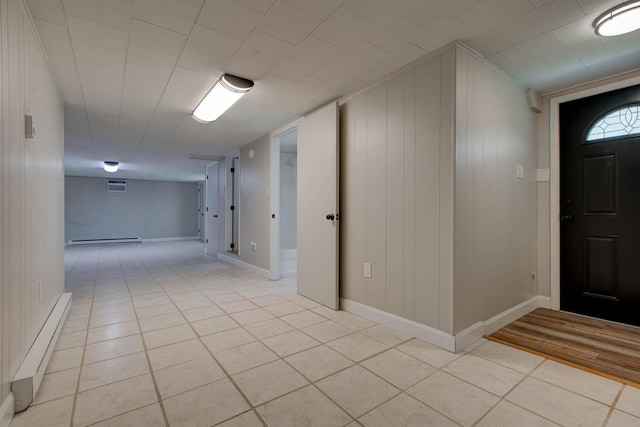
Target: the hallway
pixel 162 334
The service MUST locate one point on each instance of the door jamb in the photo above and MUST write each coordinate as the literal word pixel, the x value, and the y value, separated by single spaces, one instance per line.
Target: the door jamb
pixel 228 198
pixel 554 174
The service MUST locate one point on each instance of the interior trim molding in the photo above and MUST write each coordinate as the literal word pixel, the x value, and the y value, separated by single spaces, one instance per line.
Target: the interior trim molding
pixel 239 263
pixel 169 239
pixel 7 410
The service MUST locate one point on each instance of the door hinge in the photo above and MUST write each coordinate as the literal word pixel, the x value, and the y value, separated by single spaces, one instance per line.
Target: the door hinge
pixel 207 241
pixel 233 208
pixel 233 170
pixel 233 246
pixel 207 208
pixel 207 178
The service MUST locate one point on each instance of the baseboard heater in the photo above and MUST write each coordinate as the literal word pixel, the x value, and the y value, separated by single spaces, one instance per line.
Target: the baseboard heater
pixel 105 241
pixel 29 376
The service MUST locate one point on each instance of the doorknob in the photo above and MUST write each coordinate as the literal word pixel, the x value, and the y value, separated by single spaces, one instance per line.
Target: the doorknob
pixel 566 218
pixel 330 217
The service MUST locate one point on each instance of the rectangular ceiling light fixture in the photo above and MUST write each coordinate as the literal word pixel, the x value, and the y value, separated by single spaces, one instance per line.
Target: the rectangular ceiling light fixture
pixel 224 94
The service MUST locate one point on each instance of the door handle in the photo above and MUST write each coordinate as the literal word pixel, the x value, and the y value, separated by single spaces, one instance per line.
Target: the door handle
pixel 566 218
pixel 330 217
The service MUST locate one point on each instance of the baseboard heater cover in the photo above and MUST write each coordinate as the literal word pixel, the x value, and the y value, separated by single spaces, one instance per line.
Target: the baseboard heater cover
pixel 105 241
pixel 27 380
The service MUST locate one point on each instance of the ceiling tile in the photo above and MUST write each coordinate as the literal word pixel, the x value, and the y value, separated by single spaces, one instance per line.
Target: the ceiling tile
pixel 438 33
pixel 171 14
pixel 265 47
pixel 588 49
pixel 422 12
pixel 320 9
pixel 99 56
pixel 364 56
pixel 197 61
pixel 538 47
pixel 47 10
pixel 229 17
pixel 196 3
pixel 97 34
pixel 259 5
pixel 315 52
pixel 156 38
pixel 597 6
pixel 185 90
pixel 288 23
pixel 112 13
pixel 539 3
pixel 292 69
pixel 491 13
pixel 247 66
pixel 213 43
pixel 575 32
pixel 344 29
pixel 375 12
pixel 55 39
pixel 102 89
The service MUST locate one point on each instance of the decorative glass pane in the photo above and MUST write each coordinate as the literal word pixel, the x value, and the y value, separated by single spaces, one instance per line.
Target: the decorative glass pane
pixel 619 123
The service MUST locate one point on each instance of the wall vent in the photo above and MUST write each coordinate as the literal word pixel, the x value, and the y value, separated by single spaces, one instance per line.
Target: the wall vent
pixel 116 186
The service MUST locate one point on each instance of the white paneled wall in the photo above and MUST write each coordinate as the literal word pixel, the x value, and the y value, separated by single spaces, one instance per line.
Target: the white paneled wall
pixel 31 190
pixel 148 209
pixel 495 212
pixel 396 193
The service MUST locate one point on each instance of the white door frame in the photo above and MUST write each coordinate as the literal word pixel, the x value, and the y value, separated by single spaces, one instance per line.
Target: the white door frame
pixel 228 197
pixel 274 259
pixel 211 214
pixel 554 174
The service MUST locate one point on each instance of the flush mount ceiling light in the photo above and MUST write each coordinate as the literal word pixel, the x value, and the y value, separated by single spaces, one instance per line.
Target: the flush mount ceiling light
pixel 620 19
pixel 223 95
pixel 110 166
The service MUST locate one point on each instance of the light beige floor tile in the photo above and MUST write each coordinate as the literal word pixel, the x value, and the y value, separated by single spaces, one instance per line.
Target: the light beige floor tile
pixel 487 375
pixel 114 399
pixel 357 390
pixel 56 413
pixel 294 297
pixel 190 295
pixel 267 300
pixel 147 416
pixel 269 381
pixel 160 322
pixel 56 385
pixel 357 347
pixel 187 376
pixel 113 370
pixel 109 332
pixel 227 339
pixel 174 354
pixel 405 411
pixel 621 419
pixel 200 302
pixel 237 306
pixel 75 325
pixel 289 343
pixel 318 362
pixel 113 348
pixel 110 319
pixel 169 335
pixel 302 319
pixel 630 401
pixel 354 322
pixel 214 325
pixel 268 328
pixel 73 339
pixel 454 398
pixel 558 405
pixel 284 308
pixel 251 316
pixel 508 356
pixel 248 419
pixel 205 406
pixel 329 313
pixel 508 414
pixel 578 381
pixel 201 313
pixel 112 308
pixel 385 335
pixel 254 293
pixel 327 331
pixel 398 368
pixel 65 359
pixel 304 407
pixel 156 310
pixel 243 357
pixel 157 298
pixel 428 353
pixel 226 297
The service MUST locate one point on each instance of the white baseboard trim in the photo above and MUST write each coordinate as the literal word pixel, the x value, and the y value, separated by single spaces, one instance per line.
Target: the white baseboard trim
pixel 250 267
pixel 291 273
pixel 169 239
pixel 7 411
pixel 470 335
pixel 406 326
pixel 27 380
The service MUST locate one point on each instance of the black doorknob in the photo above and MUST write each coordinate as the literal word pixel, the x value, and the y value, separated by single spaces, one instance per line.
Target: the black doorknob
pixel 566 218
pixel 330 217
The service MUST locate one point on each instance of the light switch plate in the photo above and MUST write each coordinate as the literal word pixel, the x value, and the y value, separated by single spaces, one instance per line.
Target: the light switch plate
pixel 367 269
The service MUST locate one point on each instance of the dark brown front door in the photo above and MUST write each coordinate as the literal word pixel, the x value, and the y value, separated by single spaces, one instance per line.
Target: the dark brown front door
pixel 600 208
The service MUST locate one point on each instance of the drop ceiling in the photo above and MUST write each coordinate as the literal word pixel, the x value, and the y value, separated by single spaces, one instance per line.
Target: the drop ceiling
pixel 131 71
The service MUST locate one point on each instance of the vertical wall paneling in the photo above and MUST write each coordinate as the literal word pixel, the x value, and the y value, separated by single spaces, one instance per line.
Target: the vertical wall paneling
pixel 347 204
pixel 409 174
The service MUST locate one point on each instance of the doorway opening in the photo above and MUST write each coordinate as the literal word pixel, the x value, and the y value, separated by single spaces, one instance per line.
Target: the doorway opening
pixel 288 202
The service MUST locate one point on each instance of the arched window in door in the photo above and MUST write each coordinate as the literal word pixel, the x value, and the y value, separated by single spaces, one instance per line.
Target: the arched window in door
pixel 621 122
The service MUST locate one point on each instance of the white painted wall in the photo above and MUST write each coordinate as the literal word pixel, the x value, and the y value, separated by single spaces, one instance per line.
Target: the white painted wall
pixel 31 190
pixel 149 209
pixel 288 200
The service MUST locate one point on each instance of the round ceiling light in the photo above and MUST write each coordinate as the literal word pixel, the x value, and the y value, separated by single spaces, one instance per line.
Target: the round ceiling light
pixel 110 166
pixel 621 19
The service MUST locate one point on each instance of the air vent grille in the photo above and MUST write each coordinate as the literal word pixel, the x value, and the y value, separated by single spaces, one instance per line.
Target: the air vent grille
pixel 116 186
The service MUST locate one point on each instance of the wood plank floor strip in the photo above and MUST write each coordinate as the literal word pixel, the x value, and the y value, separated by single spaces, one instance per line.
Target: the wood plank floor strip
pixel 605 348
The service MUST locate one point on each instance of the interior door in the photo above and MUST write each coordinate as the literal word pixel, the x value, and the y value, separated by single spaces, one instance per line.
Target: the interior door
pixel 212 209
pixel 317 211
pixel 600 209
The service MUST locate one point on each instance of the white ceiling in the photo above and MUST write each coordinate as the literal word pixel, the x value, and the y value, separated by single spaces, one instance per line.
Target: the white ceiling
pixel 131 71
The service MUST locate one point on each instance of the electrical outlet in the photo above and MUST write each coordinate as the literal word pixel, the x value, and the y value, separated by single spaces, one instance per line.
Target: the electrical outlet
pixel 367 269
pixel 254 246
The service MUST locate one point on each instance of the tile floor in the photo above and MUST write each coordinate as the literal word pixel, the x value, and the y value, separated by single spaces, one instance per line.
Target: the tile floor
pixel 162 335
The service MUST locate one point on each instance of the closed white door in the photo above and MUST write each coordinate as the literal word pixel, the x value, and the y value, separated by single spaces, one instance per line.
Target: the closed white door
pixel 318 228
pixel 211 209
